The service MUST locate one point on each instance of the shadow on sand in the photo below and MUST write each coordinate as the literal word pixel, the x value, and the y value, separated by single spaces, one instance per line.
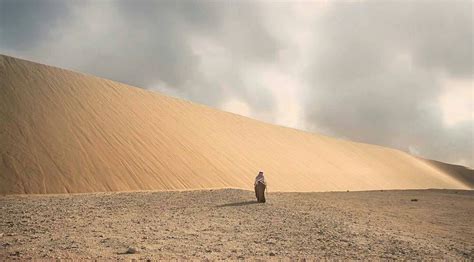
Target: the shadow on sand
pixel 238 204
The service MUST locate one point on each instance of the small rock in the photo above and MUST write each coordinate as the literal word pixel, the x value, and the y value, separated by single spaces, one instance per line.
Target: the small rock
pixel 131 250
pixel 271 241
pixel 272 254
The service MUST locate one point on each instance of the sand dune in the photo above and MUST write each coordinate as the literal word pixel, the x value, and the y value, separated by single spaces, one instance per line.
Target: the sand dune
pixel 462 173
pixel 65 132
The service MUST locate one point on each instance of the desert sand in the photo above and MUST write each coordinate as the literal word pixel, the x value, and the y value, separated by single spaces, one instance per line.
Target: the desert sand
pixel 66 132
pixel 228 224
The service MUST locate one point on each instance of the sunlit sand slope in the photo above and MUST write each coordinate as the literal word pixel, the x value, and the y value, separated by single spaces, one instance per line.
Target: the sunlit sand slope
pixel 63 131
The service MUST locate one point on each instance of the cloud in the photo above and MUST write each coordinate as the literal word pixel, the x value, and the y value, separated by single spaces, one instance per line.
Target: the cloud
pixel 150 44
pixel 24 23
pixel 377 75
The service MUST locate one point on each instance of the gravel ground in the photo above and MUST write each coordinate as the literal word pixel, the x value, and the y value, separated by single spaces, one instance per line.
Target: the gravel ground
pixel 229 224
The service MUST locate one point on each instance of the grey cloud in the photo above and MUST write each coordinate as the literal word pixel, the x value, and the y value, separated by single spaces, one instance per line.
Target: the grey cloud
pixel 376 74
pixel 164 53
pixel 442 35
pixel 148 43
pixel 24 23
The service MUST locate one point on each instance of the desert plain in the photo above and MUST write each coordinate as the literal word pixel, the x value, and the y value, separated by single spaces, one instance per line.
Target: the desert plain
pixel 229 224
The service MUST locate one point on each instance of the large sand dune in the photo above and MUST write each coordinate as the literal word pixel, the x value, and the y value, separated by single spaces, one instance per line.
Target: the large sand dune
pixel 63 131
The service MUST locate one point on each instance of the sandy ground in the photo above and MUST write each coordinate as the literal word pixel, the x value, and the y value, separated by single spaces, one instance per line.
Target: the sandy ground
pixel 228 224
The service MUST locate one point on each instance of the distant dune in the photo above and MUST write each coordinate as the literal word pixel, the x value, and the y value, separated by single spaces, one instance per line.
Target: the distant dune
pixel 65 132
pixel 462 173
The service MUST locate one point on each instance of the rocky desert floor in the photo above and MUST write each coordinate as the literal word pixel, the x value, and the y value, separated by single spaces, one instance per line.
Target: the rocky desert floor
pixel 229 224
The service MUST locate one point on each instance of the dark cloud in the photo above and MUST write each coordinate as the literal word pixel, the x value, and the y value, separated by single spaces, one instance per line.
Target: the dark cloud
pixel 376 76
pixel 146 42
pixel 158 35
pixel 152 43
pixel 157 46
pixel 24 23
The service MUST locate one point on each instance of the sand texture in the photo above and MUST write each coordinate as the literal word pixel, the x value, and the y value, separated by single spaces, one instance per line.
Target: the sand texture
pixel 229 224
pixel 66 132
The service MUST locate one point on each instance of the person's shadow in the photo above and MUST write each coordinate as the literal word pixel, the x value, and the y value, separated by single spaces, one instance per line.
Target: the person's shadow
pixel 238 204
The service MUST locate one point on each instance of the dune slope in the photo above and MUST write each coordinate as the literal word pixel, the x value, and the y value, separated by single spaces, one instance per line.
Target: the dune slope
pixel 65 132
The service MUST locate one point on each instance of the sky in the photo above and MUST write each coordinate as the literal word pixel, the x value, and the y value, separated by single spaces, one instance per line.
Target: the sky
pixel 392 73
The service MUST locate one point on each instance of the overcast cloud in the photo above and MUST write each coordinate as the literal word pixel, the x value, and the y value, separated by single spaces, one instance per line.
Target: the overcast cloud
pixel 393 73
